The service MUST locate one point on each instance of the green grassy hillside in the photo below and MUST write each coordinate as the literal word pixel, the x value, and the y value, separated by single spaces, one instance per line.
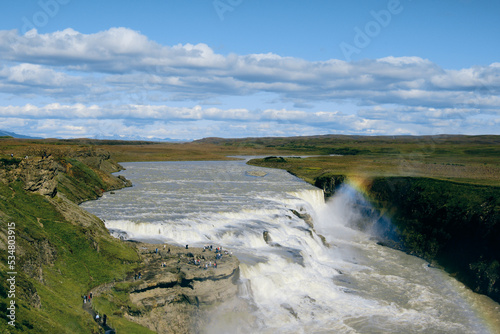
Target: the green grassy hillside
pixel 61 251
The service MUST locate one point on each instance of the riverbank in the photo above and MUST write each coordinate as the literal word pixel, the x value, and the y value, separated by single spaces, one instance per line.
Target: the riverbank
pixel 61 251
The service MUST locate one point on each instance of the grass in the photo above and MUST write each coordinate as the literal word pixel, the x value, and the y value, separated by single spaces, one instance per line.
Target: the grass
pixel 112 304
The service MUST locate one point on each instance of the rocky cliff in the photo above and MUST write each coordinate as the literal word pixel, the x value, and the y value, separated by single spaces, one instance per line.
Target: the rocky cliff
pixel 81 174
pixel 329 183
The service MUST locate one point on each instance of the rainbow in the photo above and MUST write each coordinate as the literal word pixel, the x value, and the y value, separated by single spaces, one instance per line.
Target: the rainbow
pixel 360 183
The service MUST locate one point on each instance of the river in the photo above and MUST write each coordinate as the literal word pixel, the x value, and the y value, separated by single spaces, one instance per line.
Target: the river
pixel 295 277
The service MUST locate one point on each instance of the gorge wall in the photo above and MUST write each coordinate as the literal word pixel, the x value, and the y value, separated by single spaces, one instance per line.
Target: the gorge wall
pixel 453 225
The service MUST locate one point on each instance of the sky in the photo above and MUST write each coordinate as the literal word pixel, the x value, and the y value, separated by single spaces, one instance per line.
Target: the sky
pixel 184 70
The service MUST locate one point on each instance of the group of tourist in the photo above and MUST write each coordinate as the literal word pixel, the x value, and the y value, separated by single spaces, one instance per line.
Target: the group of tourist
pixel 197 262
pixel 87 298
pixel 208 265
pixel 218 250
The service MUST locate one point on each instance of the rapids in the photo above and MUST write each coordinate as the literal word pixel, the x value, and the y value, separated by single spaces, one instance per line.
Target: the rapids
pixel 303 269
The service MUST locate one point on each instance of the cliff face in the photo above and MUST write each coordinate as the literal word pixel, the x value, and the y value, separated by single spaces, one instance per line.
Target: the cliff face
pixel 37 175
pixel 81 175
pixel 87 175
pixel 329 183
pixel 456 226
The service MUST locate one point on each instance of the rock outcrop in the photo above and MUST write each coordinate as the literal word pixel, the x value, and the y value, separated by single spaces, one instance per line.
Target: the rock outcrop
pixel 81 175
pixel 39 176
pixel 329 183
pixel 178 286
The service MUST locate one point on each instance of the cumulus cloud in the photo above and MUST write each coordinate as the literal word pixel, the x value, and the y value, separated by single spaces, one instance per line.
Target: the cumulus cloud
pixel 121 74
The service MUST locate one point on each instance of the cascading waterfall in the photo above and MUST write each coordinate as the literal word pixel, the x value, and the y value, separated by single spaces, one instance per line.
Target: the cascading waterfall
pixel 304 269
pixel 315 198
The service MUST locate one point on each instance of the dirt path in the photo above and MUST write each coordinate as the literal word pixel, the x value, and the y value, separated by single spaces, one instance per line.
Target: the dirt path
pixel 88 307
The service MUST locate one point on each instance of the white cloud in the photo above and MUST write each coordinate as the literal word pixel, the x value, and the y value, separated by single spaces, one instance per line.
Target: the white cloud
pixel 120 74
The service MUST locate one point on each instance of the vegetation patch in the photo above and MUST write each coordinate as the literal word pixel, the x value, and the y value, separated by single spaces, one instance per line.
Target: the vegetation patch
pixel 10 162
pixel 347 151
pixel 274 159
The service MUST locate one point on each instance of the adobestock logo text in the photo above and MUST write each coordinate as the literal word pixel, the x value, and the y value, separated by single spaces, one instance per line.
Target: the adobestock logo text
pixel 48 9
pixel 363 37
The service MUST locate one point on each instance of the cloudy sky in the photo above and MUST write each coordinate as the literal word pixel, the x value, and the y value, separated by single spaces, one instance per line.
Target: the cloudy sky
pixel 238 68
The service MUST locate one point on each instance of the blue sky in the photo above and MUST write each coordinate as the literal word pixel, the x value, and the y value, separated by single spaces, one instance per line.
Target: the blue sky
pixel 238 68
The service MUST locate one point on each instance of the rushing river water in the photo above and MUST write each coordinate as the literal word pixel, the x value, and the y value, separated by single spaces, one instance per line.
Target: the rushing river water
pixel 294 282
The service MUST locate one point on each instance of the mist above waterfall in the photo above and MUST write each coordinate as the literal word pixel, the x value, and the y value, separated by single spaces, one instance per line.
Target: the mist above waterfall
pixel 348 208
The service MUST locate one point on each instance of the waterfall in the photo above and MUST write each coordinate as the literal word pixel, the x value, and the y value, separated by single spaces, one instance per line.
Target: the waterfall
pixel 306 265
pixel 315 197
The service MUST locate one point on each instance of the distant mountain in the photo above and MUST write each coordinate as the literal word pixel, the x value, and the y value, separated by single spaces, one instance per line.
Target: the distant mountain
pixel 15 135
pixel 115 137
pixel 139 138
